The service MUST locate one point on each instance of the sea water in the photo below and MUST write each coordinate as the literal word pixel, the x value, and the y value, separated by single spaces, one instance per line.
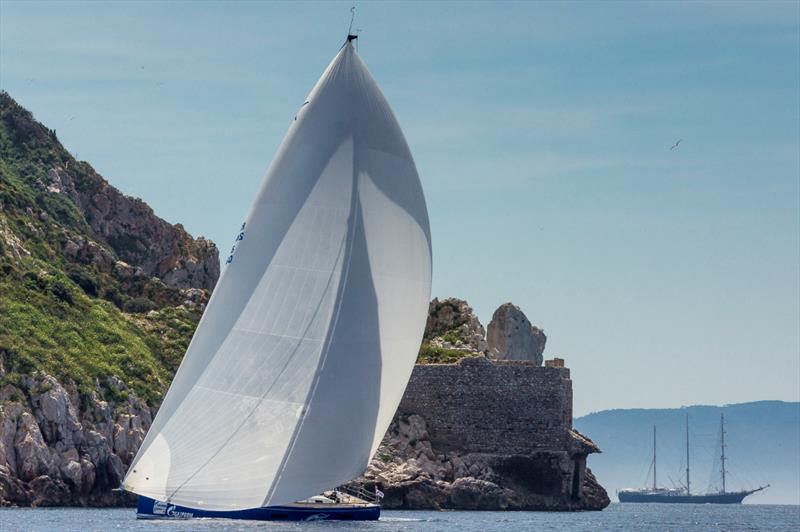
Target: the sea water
pixel 661 517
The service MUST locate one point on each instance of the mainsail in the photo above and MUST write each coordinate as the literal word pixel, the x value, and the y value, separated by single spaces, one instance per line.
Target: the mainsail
pixel 307 344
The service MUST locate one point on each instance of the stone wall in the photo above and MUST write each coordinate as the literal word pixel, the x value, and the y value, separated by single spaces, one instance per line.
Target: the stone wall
pixel 506 407
pixel 485 435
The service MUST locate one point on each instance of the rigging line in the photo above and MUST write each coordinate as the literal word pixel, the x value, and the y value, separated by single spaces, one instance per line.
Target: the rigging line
pixel 352 17
pixel 277 378
pixel 350 35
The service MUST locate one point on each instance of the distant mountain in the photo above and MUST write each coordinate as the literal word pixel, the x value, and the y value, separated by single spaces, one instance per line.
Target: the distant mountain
pixel 762 439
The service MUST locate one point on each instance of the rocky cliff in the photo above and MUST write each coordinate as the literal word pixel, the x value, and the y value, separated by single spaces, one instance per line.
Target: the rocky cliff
pixel 98 300
pixel 59 450
pixel 66 192
pixel 452 325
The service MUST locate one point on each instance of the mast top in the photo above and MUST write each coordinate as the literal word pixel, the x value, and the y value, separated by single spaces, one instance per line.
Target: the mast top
pixel 350 35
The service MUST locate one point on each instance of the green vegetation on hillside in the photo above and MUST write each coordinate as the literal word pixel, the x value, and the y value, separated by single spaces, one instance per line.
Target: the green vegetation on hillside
pixel 49 324
pixel 429 354
pixel 71 316
pixel 445 320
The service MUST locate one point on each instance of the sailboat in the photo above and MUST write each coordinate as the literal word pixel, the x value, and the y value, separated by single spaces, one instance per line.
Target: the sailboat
pixel 684 494
pixel 309 339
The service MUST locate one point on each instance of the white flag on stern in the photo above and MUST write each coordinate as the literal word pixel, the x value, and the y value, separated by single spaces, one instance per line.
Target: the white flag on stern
pixel 308 342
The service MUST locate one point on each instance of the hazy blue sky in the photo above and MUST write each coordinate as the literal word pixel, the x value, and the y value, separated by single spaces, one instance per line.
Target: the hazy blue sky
pixel 542 134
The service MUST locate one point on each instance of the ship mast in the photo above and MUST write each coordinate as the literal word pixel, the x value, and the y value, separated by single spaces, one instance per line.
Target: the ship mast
pixel 654 458
pixel 722 448
pixel 688 485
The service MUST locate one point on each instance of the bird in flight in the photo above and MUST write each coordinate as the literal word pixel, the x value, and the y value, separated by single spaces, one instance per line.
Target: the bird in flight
pixel 675 145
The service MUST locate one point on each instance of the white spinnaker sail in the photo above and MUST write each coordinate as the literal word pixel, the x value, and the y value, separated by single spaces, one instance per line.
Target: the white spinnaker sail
pixel 308 342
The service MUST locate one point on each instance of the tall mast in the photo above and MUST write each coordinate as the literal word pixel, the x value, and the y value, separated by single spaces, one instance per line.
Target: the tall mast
pixel 654 458
pixel 722 447
pixel 688 485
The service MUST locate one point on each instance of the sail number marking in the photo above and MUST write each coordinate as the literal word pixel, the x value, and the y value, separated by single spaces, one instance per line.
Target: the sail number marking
pixel 239 238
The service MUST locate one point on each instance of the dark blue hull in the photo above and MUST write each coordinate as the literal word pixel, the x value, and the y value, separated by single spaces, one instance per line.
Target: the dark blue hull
pixel 151 509
pixel 714 498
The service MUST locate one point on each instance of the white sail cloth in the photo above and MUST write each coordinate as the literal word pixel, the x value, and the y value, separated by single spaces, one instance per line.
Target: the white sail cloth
pixel 309 339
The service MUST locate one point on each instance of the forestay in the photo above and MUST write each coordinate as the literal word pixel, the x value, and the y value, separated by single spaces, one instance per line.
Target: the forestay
pixel 309 339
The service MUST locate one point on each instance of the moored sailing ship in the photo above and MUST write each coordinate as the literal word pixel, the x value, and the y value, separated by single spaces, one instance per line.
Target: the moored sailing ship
pixel 684 494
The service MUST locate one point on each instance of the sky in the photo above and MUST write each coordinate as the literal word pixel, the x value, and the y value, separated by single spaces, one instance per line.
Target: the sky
pixel 542 135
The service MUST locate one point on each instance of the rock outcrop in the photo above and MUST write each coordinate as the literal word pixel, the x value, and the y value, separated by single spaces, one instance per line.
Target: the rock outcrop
pixel 453 325
pixel 415 475
pixel 511 336
pixel 136 235
pixel 126 226
pixel 53 453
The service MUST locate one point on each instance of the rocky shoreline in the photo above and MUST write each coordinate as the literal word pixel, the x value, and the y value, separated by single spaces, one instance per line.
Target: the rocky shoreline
pixel 480 433
pixel 477 434
pixel 55 451
pixel 414 475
